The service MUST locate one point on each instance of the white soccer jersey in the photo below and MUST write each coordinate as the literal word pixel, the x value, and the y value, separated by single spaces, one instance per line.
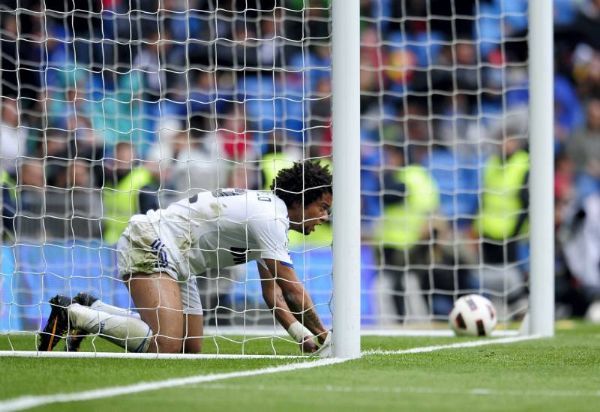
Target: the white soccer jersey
pixel 222 228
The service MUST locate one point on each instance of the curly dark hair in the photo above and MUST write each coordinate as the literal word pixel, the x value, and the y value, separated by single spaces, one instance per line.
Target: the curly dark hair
pixel 305 181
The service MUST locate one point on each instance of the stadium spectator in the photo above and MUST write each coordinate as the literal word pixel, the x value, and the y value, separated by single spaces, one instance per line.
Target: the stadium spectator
pixel 503 211
pixel 8 206
pixel 564 171
pixel 319 111
pixel 127 189
pixel 186 163
pixel 70 154
pixel 410 197
pixel 568 111
pixel 9 57
pixel 587 21
pixel 371 57
pixel 416 240
pixel 453 174
pixel 159 64
pixel 150 65
pixel 79 25
pixel 580 244
pixel 13 136
pixel 22 60
pixel 99 109
pixel 30 186
pixel 569 296
pixel 584 150
pixel 210 93
pixel 232 136
pixel 586 71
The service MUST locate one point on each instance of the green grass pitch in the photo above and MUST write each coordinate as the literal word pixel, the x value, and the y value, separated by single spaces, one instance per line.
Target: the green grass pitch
pixel 556 374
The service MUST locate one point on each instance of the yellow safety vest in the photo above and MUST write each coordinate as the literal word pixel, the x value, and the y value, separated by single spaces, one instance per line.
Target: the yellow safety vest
pixel 501 206
pixel 6 181
pixel 271 164
pixel 402 224
pixel 122 201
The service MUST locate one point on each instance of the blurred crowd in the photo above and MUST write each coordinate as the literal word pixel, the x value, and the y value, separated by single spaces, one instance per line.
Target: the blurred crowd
pixel 101 99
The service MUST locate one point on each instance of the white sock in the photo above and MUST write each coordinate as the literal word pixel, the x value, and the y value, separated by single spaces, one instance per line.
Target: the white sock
pixel 113 310
pixel 131 333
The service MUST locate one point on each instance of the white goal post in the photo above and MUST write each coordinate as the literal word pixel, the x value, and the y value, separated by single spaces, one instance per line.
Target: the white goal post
pixel 542 160
pixel 346 191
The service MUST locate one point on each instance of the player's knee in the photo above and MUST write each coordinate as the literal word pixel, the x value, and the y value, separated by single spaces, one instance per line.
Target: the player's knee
pixel 168 344
pixel 193 345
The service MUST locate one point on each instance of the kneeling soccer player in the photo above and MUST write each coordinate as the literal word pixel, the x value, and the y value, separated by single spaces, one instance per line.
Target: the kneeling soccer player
pixel 160 251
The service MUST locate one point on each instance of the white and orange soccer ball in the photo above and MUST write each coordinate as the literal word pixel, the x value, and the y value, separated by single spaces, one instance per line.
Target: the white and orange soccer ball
pixel 473 315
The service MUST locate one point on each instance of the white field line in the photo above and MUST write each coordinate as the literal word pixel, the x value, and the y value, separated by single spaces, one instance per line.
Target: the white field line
pixel 391 390
pixel 459 345
pixel 26 402
pixel 365 331
pixel 441 333
pixel 124 355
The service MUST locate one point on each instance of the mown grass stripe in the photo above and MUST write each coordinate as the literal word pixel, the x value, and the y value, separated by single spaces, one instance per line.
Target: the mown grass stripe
pixel 558 393
pixel 26 402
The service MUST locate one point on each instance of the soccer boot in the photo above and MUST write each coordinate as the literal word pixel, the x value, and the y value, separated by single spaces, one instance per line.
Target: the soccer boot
pixel 58 323
pixel 76 336
pixel 84 299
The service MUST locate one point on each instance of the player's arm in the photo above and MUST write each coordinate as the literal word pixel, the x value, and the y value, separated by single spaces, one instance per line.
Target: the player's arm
pixel 294 295
pixel 274 299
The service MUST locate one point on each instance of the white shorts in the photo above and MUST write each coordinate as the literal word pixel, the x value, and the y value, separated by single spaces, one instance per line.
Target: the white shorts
pixel 140 250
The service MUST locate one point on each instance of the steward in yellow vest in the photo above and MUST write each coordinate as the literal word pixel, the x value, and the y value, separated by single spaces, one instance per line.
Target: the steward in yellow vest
pixel 505 200
pixel 8 204
pixel 411 197
pixel 408 208
pixel 130 192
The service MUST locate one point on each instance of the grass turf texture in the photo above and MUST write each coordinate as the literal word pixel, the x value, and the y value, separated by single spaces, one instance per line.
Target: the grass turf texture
pixel 562 373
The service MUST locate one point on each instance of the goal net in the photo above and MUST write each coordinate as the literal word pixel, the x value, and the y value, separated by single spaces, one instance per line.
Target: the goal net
pixel 116 107
pixel 445 135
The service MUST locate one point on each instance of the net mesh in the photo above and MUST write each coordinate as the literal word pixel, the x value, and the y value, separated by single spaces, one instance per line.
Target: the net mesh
pixel 444 128
pixel 206 94
pixel 116 108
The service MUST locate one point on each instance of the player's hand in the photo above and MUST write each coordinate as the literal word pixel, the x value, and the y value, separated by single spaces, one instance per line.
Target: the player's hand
pixel 326 349
pixel 322 337
pixel 308 345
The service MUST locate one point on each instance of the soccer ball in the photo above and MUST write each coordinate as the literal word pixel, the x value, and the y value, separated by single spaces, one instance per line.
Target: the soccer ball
pixel 473 315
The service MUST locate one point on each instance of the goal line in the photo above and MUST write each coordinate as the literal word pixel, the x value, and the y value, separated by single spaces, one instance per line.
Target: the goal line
pixel 499 336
